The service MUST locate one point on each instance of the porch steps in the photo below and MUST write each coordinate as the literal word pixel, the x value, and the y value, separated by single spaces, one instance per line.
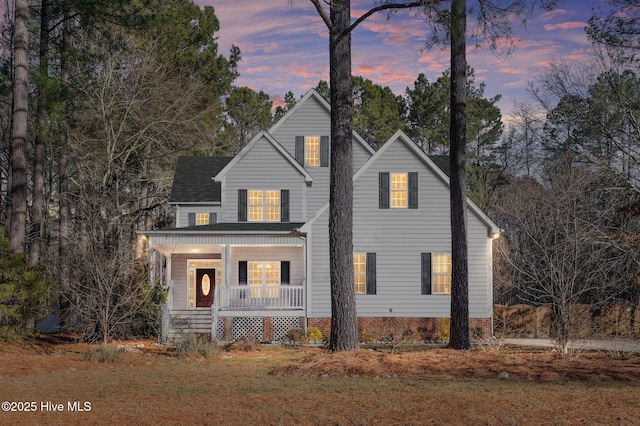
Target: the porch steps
pixel 182 322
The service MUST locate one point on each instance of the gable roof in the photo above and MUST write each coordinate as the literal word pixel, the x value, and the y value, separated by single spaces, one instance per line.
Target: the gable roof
pixel 193 180
pixel 279 148
pixel 312 94
pixel 442 161
pixel 430 162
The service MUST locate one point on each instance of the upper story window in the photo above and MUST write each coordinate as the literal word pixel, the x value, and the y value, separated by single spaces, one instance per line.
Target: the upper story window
pixel 312 151
pixel 398 190
pixel 194 219
pixel 264 206
pixel 202 218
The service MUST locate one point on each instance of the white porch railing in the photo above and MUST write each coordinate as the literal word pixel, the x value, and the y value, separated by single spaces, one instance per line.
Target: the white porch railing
pixel 261 297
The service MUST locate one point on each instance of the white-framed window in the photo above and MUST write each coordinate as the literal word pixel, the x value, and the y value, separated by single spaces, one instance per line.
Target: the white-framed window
pixel 192 266
pixel 261 274
pixel 312 151
pixel 441 272
pixel 399 190
pixel 360 273
pixel 264 206
pixel 202 218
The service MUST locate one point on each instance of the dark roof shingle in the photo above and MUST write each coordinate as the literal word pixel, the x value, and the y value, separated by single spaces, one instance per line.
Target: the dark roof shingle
pixel 193 180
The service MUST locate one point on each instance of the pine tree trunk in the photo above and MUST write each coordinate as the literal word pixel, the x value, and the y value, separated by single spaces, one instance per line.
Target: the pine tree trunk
pixel 459 324
pixel 64 219
pixel 37 204
pixel 344 321
pixel 17 227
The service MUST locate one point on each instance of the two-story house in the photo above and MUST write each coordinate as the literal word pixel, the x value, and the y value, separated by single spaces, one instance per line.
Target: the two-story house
pixel 250 251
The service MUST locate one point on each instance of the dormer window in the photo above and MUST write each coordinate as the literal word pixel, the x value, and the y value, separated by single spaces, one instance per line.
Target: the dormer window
pixel 202 218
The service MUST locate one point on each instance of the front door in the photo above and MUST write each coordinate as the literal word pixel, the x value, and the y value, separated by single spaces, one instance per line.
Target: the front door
pixel 205 287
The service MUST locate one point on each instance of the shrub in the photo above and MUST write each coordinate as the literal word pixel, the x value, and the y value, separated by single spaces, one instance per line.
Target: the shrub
pixel 246 343
pixel 104 353
pixel 443 331
pixel 194 345
pixel 366 337
pixel 394 333
pixel 148 322
pixel 314 334
pixel 294 337
pixel 24 293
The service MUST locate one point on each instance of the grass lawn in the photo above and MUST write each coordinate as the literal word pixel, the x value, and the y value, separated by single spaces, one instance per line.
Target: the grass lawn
pixel 262 388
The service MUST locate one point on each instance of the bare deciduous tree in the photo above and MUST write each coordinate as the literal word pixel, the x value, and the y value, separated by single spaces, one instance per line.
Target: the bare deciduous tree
pixel 568 244
pixel 108 290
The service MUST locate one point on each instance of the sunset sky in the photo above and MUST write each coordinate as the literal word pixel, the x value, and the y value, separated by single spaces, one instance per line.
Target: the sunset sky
pixel 284 47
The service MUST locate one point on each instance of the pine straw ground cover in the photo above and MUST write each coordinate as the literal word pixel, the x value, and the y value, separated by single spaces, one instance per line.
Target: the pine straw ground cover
pixel 149 384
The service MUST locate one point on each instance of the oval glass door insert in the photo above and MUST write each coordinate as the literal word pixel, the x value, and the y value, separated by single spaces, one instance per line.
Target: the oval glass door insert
pixel 205 284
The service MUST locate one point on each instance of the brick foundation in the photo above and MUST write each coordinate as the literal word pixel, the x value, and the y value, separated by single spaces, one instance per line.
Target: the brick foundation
pixel 424 329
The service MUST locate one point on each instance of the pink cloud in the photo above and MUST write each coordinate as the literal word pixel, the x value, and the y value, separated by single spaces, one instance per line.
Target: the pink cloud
pixel 565 26
pixel 255 70
pixel 547 16
pixel 512 71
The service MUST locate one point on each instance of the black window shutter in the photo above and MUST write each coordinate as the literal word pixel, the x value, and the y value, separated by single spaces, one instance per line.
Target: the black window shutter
pixel 300 149
pixel 371 273
pixel 285 277
pixel 192 219
pixel 284 205
pixel 242 205
pixel 217 187
pixel 242 272
pixel 413 190
pixel 324 151
pixel 383 189
pixel 426 273
pixel 213 218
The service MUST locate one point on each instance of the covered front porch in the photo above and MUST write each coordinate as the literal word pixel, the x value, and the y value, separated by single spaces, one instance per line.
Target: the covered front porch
pixel 227 285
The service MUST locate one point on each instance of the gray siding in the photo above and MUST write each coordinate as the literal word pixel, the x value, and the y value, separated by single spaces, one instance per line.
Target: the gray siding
pixel 264 168
pixel 311 119
pixel 398 237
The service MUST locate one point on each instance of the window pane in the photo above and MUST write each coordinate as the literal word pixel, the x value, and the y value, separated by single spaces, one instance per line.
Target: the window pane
pixel 264 206
pixel 442 283
pixel 255 278
pixel 398 190
pixel 272 206
pixel 398 181
pixel 359 272
pixel 255 197
pixel 192 289
pixel 312 150
pixel 202 218
pixel 442 273
pixel 442 263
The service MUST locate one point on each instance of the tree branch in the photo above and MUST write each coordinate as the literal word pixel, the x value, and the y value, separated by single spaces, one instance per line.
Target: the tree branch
pixel 322 14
